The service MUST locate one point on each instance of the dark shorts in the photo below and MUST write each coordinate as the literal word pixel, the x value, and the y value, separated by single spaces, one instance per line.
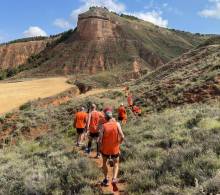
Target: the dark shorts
pixel 80 130
pixel 114 156
pixel 94 135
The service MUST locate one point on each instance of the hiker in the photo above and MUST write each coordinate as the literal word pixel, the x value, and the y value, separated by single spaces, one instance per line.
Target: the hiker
pixel 126 90
pixel 80 124
pixel 136 110
pixel 122 114
pixel 102 119
pixel 111 136
pixel 130 100
pixel 92 128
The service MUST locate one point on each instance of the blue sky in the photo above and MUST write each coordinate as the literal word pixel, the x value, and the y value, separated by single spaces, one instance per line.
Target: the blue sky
pixel 25 18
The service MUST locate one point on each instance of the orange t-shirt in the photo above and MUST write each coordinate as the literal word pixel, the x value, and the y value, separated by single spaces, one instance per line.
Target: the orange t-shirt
pixel 80 120
pixel 130 100
pixel 136 109
pixel 94 122
pixel 122 112
pixel 110 140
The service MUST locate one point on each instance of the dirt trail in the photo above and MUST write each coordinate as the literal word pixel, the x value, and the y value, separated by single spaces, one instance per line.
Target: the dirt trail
pixel 97 91
pixel 121 185
pixel 105 190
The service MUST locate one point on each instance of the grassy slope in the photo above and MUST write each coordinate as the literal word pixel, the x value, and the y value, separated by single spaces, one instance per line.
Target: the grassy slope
pixel 172 150
pixel 167 151
pixel 190 78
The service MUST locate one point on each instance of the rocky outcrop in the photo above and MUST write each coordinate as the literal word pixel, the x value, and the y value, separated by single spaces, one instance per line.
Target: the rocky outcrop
pixel 15 54
pixel 96 25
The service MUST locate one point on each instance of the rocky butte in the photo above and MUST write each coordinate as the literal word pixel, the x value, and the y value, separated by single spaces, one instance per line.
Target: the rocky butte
pixel 106 41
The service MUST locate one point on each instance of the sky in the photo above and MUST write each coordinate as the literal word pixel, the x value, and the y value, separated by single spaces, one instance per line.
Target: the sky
pixel 28 18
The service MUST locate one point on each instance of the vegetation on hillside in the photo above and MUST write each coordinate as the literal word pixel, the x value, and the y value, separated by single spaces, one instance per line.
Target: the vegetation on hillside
pixel 193 77
pixel 130 17
pixel 175 151
pixel 23 40
pixel 215 40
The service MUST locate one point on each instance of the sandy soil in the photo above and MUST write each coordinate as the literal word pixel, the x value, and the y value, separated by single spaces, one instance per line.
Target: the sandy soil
pixel 12 95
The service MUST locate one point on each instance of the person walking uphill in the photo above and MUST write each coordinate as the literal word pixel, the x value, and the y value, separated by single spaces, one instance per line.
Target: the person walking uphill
pixel 80 124
pixel 130 100
pixel 92 128
pixel 111 136
pixel 122 114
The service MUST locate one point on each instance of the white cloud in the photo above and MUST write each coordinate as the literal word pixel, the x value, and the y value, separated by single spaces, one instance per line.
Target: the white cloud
pixel 213 11
pixel 62 23
pixel 153 17
pixel 112 5
pixel 34 31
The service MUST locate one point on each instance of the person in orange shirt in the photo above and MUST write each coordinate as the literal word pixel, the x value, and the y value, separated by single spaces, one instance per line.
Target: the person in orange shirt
pixel 136 110
pixel 111 136
pixel 80 124
pixel 122 114
pixel 92 128
pixel 130 100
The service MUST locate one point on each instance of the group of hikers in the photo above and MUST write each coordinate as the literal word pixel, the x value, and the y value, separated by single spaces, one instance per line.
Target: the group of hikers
pixel 101 126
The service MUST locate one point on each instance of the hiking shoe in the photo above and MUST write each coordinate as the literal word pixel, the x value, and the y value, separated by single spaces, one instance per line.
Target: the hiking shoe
pixel 114 185
pixel 87 150
pixel 104 182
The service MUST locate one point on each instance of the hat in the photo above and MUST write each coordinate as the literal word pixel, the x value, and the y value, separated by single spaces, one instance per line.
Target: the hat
pixel 109 114
pixel 107 109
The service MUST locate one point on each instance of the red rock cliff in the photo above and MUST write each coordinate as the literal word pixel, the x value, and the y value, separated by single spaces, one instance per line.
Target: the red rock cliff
pixel 15 54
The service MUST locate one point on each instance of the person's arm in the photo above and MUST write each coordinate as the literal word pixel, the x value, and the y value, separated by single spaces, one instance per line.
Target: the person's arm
pixel 88 122
pixel 100 135
pixel 121 134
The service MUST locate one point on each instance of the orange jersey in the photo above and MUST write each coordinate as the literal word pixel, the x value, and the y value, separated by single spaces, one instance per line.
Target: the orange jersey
pixel 130 100
pixel 122 112
pixel 136 109
pixel 94 122
pixel 80 120
pixel 110 140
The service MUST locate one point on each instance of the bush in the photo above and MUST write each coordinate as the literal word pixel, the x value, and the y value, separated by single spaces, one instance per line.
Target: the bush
pixel 25 106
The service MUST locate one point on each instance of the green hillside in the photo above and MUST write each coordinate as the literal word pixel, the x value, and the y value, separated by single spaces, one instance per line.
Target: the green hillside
pixel 150 45
pixel 192 77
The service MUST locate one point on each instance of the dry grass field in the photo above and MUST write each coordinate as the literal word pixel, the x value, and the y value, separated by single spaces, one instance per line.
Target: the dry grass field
pixel 13 95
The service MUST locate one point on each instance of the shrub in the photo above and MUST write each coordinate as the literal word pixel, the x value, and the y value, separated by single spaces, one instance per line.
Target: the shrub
pixel 25 106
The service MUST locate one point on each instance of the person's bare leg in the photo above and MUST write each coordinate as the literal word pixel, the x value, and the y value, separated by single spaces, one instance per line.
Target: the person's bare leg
pixel 97 147
pixel 77 138
pixel 104 166
pixel 115 168
pixel 80 138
